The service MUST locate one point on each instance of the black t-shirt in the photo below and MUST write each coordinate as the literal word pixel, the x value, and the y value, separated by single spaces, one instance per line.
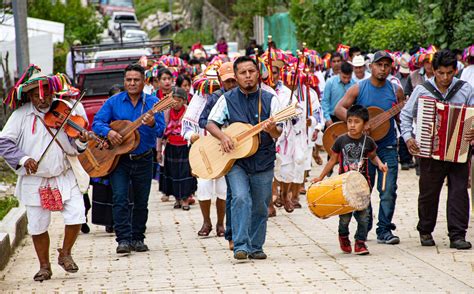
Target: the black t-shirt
pixel 349 151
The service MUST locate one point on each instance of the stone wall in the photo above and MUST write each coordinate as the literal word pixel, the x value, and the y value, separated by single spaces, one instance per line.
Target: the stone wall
pixel 219 24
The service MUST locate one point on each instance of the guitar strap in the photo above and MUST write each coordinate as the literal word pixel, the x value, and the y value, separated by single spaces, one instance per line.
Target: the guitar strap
pixel 259 110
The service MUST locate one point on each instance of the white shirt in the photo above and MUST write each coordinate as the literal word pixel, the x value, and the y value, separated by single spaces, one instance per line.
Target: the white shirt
pixel 31 136
pixel 468 74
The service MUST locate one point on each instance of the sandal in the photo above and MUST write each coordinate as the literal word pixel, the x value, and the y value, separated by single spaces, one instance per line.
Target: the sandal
pixel 278 202
pixel 205 230
pixel 43 274
pixel 165 198
pixel 186 207
pixel 66 262
pixel 296 204
pixel 288 205
pixel 318 160
pixel 177 204
pixel 220 231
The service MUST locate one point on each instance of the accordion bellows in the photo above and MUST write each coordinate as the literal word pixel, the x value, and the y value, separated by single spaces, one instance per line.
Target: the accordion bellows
pixel 440 128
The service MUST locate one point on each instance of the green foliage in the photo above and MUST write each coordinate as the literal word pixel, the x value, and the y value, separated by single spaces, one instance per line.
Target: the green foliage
pixel 401 33
pixel 188 37
pixel 143 8
pixel 387 24
pixel 6 204
pixel 464 31
pixel 80 23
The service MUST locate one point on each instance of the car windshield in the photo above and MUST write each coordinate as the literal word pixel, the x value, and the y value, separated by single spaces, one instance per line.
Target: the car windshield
pixel 100 83
pixel 125 18
pixel 123 3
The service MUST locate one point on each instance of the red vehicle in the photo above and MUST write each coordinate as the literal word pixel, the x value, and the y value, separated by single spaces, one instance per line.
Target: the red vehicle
pixel 105 65
pixel 107 7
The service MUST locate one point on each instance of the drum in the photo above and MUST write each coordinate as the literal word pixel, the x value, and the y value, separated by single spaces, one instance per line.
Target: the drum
pixel 339 194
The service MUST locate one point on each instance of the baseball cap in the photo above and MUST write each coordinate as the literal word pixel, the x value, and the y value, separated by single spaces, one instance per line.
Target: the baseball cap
pixel 358 61
pixel 381 55
pixel 226 71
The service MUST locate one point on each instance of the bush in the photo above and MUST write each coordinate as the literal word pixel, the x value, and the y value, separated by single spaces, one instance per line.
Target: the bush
pixel 401 33
pixel 6 204
pixel 186 38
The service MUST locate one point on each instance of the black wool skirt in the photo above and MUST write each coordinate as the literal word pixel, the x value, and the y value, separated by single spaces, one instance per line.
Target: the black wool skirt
pixel 176 177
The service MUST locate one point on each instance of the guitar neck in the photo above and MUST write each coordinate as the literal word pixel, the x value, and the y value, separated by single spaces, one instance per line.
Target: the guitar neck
pixel 385 116
pixel 251 132
pixel 160 106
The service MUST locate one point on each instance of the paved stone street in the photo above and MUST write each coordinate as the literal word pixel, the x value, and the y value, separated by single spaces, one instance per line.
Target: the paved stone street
pixel 304 256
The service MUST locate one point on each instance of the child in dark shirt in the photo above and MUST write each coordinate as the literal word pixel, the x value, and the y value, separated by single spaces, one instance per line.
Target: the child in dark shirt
pixel 352 150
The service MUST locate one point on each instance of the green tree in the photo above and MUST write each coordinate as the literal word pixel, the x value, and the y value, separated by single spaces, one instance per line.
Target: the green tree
pixel 80 23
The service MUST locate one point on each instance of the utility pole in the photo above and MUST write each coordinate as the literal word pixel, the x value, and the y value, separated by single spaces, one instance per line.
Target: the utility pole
pixel 171 15
pixel 21 35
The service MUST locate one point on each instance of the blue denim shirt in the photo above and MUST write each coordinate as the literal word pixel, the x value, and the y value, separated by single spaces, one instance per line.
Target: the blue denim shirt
pixel 120 107
pixel 333 92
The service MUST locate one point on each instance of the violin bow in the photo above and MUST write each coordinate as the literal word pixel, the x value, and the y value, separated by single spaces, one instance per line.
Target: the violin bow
pixel 61 127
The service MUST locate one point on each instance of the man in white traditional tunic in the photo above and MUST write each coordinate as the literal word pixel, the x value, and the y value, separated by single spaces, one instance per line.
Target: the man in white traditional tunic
pixel 22 142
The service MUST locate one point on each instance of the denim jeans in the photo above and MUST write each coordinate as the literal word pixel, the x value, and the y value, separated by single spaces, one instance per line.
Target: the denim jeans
pixel 228 220
pixel 389 196
pixel 130 224
pixel 362 223
pixel 251 194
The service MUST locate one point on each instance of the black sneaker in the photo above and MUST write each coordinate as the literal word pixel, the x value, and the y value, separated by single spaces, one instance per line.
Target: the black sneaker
pixel 427 240
pixel 240 255
pixel 388 238
pixel 258 255
pixel 460 244
pixel 405 166
pixel 139 246
pixel 123 247
pixel 85 228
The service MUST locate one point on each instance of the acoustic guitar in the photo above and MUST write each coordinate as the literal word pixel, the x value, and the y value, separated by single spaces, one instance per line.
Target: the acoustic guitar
pixel 99 162
pixel 209 161
pixel 379 125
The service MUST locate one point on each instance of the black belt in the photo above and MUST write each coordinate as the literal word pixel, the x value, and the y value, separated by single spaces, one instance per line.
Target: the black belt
pixel 140 156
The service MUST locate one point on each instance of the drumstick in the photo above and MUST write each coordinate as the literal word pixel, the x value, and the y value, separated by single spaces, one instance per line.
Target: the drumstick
pixel 384 180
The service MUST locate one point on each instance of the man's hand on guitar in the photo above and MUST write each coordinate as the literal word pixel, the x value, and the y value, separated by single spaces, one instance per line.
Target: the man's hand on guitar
pixel 148 120
pixel 227 144
pixel 31 166
pixel 194 138
pixel 115 138
pixel 269 126
pixel 328 123
pixel 413 146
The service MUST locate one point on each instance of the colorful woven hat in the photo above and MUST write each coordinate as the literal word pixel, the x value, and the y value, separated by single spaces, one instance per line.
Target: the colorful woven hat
pixel 31 78
pixel 423 55
pixel 343 50
pixel 65 88
pixel 207 82
pixel 468 53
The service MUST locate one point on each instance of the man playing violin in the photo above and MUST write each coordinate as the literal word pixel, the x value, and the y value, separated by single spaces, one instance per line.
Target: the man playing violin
pixel 23 142
pixel 137 166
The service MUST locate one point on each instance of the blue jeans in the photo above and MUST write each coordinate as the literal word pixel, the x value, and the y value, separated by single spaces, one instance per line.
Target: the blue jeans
pixel 130 224
pixel 362 224
pixel 389 196
pixel 251 194
pixel 228 220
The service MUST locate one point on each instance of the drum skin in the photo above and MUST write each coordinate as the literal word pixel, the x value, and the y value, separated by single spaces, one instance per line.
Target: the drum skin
pixel 339 194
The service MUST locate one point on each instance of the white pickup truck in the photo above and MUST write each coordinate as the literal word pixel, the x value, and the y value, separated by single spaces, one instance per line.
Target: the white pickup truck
pixel 125 19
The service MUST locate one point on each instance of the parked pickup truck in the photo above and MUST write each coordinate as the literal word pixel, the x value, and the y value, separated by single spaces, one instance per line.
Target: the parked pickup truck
pixel 105 65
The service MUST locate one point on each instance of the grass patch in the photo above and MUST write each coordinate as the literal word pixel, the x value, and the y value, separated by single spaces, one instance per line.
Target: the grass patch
pixel 6 204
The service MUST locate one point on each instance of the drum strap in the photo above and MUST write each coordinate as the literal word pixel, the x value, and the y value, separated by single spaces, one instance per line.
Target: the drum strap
pixel 359 165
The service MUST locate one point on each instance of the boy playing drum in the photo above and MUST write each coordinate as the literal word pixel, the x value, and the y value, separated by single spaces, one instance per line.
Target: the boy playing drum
pixel 352 150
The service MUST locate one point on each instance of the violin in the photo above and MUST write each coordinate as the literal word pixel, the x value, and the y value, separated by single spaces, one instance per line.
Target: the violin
pixel 75 124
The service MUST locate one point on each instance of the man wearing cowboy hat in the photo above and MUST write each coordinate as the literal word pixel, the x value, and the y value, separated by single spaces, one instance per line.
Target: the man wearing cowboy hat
pixel 23 142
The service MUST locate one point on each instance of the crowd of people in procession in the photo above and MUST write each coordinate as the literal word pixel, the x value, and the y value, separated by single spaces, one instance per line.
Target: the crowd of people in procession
pixel 212 92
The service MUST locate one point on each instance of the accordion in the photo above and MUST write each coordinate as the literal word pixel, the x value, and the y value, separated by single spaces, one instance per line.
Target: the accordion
pixel 440 128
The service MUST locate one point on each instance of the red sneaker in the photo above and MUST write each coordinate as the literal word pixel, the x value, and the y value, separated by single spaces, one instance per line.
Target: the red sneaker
pixel 360 248
pixel 345 244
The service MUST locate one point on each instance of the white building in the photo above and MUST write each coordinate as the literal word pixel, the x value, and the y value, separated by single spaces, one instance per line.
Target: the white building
pixel 42 35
